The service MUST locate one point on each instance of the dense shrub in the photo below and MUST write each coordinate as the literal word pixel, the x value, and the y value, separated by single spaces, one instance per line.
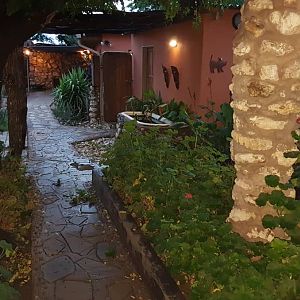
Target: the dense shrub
pixel 180 192
pixel 71 97
pixel 15 221
pixel 215 125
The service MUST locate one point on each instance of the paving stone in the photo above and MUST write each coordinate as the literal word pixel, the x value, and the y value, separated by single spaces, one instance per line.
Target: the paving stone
pixel 77 220
pixel 78 275
pixel 53 246
pixel 121 290
pixel 50 199
pixel 98 270
pixel 103 249
pixel 89 230
pixel 100 288
pixel 49 227
pixel 52 210
pixel 65 204
pixel 77 244
pixel 70 212
pixel 92 255
pixel 67 236
pixel 58 268
pixel 93 219
pixel 88 209
pixel 72 230
pixel 73 290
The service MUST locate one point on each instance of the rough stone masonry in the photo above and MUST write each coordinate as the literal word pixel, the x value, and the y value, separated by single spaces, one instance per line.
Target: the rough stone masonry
pixel 266 105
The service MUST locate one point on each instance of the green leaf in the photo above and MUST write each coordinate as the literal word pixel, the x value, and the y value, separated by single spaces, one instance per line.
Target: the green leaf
pixel 295 182
pixel 277 198
pixel 284 186
pixel 290 203
pixel 295 136
pixel 295 235
pixel 6 247
pixel 262 199
pixel 8 293
pixel 291 154
pixel 272 180
pixel 4 273
pixel 288 221
pixel 269 221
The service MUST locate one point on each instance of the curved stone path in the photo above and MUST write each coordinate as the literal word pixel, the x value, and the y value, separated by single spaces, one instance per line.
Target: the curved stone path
pixel 71 244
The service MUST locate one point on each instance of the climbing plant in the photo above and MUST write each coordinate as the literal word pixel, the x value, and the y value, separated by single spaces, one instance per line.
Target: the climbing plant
pixel 287 208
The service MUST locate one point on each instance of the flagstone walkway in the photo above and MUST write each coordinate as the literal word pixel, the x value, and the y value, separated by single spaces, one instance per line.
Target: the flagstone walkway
pixel 77 254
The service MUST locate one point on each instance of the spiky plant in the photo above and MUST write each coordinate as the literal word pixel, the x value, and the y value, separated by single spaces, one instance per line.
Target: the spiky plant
pixel 71 97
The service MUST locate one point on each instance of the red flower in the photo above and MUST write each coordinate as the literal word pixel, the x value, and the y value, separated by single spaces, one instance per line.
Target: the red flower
pixel 188 196
pixel 298 120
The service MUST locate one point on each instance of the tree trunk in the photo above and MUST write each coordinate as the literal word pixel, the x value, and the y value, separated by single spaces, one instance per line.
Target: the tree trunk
pixel 266 93
pixel 16 102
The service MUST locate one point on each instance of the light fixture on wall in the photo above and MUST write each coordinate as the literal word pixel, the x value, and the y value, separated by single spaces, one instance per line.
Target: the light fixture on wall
pixel 26 52
pixel 106 43
pixel 173 43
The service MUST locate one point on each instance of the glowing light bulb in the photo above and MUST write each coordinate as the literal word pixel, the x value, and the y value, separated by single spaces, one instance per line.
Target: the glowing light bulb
pixel 173 43
pixel 27 52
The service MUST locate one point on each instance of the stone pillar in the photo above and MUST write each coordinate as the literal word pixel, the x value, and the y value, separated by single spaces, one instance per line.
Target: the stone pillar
pixel 266 93
pixel 93 110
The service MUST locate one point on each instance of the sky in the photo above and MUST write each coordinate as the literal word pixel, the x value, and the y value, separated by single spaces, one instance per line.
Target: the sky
pixel 126 2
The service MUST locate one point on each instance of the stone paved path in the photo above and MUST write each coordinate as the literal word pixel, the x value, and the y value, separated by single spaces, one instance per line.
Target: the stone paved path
pixel 71 243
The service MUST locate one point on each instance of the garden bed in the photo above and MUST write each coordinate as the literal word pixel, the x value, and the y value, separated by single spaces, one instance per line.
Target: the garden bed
pixel 16 204
pixel 179 192
pixel 148 264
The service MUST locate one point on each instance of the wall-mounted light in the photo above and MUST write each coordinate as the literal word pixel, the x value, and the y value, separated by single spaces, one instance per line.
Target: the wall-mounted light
pixel 173 43
pixel 85 54
pixel 26 52
pixel 106 43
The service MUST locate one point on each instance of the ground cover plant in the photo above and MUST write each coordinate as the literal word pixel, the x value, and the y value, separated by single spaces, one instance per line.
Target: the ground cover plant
pixel 15 221
pixel 71 97
pixel 179 189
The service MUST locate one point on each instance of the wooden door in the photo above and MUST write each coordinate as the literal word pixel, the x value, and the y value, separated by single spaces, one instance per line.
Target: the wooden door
pixel 117 83
pixel 147 69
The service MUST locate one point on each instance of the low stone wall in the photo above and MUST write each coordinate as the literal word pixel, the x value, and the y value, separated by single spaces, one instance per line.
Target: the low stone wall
pixel 147 263
pixel 45 68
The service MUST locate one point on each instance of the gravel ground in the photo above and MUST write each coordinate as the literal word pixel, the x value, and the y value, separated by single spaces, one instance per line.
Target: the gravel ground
pixel 94 149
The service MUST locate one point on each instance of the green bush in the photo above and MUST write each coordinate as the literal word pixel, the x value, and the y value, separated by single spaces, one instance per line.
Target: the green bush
pixel 71 97
pixel 219 126
pixel 216 129
pixel 16 206
pixel 149 104
pixel 180 192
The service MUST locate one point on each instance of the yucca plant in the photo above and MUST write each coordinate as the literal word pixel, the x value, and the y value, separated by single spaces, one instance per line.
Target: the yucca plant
pixel 3 120
pixel 71 97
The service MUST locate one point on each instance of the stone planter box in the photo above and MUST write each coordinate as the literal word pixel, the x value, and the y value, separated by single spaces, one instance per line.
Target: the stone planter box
pixel 148 264
pixel 155 121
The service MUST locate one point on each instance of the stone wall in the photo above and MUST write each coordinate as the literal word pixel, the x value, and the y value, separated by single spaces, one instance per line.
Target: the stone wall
pixel 45 68
pixel 266 106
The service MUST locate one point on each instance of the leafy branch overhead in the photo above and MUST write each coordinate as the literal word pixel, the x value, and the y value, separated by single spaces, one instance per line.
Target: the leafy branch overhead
pixel 172 7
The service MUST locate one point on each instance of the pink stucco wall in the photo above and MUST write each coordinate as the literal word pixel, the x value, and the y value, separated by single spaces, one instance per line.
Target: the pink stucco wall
pixel 118 42
pixel 186 57
pixel 191 57
pixel 217 41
